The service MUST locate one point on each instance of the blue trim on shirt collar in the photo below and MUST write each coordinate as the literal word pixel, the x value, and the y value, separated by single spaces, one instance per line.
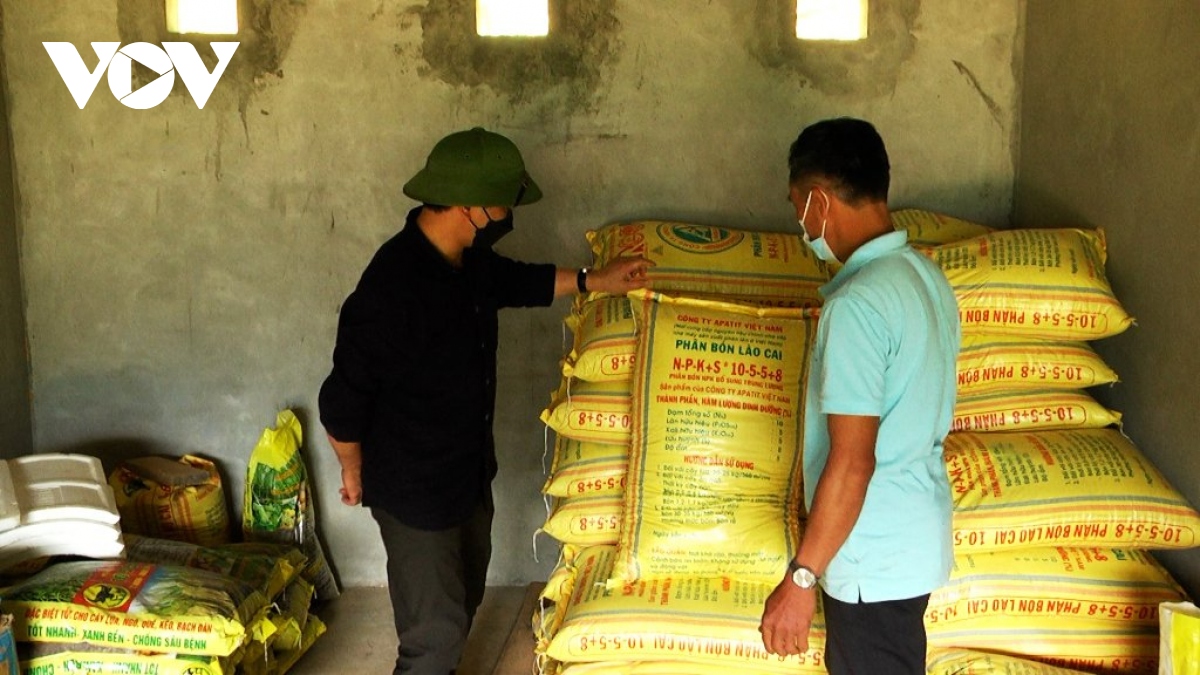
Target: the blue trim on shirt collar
pixel 872 250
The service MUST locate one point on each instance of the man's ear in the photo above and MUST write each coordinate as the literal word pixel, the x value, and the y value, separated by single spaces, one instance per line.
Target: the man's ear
pixel 824 202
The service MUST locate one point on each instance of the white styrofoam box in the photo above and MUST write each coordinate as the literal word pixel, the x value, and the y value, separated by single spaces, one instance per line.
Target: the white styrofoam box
pixel 71 501
pixel 60 529
pixel 10 508
pixel 38 547
pixel 58 486
pixel 58 468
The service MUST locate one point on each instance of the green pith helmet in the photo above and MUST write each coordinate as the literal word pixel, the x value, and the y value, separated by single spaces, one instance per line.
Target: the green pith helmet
pixel 474 168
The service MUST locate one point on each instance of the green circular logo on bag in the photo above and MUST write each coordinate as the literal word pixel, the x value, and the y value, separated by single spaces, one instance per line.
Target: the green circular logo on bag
pixel 699 238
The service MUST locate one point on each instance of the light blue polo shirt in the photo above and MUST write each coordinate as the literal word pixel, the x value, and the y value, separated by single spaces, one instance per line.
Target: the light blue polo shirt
pixel 887 341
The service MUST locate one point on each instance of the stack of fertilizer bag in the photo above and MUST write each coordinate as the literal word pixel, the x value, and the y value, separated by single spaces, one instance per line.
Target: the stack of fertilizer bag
pixel 1054 508
pixel 676 474
pixel 183 599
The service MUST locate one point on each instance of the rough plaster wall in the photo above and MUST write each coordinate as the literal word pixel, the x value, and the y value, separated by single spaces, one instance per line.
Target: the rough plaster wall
pixel 1111 138
pixel 16 434
pixel 184 267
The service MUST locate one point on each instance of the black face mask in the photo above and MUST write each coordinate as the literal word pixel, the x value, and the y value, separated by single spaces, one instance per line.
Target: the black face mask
pixel 487 236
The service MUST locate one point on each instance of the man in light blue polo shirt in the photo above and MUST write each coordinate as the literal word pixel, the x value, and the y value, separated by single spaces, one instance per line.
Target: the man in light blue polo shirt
pixel 879 403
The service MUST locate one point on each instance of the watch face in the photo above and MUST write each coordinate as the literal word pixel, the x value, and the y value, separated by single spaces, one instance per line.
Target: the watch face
pixel 804 578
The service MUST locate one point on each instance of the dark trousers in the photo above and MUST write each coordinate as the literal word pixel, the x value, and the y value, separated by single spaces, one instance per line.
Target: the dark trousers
pixel 875 638
pixel 436 581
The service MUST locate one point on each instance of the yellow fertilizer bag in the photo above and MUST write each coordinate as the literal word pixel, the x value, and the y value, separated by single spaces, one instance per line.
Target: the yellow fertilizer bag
pixel 1046 284
pixel 268 571
pixel 313 630
pixel 591 411
pixel 716 261
pixel 285 661
pixel 1090 645
pixel 969 662
pixel 194 511
pixel 47 658
pixel 160 608
pixel 1001 588
pixel 585 521
pixel 289 614
pixel 1180 638
pixel 687 619
pixel 655 668
pixel 1090 487
pixel 562 578
pixel 277 505
pixel 714 467
pixel 604 341
pixel 555 593
pixel 586 469
pixel 992 363
pixel 1044 409
pixel 926 228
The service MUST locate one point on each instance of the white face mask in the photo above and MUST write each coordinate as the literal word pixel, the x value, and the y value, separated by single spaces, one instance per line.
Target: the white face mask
pixel 819 246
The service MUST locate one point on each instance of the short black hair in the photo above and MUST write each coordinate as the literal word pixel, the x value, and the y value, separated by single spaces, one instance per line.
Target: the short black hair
pixel 846 152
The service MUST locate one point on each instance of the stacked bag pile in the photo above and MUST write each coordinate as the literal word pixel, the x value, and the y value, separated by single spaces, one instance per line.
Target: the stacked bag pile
pixel 181 598
pixel 1054 508
pixel 676 472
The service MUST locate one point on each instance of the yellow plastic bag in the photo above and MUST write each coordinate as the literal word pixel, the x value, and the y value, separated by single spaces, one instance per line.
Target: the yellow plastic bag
pixel 268 570
pixel 1004 588
pixel 1090 487
pixel 1180 643
pixel 159 608
pixel 555 595
pixel 586 469
pixel 604 343
pixel 716 261
pixel 926 228
pixel 658 668
pixel 313 630
pixel 277 505
pixel 969 662
pixel 192 513
pixel 591 411
pixel 585 521
pixel 289 614
pixel 50 658
pixel 1031 410
pixel 1090 645
pixel 1046 284
pixel 714 467
pixel 992 363
pixel 682 619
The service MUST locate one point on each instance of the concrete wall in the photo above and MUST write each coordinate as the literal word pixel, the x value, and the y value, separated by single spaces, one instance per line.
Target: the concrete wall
pixel 1111 138
pixel 16 434
pixel 185 267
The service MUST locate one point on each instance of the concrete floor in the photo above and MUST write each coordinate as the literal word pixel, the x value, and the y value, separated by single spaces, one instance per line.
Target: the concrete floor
pixel 362 640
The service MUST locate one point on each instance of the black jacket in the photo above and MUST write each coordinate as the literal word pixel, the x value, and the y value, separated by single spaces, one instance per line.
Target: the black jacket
pixel 414 374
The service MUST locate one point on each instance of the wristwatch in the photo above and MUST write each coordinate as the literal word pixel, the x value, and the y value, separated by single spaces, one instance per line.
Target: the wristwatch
pixel 802 576
pixel 581 279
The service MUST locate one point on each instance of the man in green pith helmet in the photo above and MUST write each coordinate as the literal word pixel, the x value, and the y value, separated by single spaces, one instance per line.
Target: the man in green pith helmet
pixel 408 405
